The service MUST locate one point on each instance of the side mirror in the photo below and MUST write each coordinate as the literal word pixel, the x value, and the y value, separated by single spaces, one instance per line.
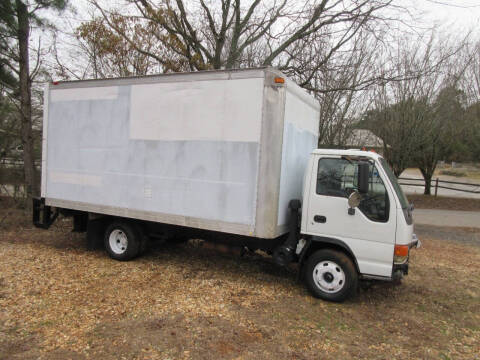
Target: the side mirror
pixel 363 176
pixel 354 200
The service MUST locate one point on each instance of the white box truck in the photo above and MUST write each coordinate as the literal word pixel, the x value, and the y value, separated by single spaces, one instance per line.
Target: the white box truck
pixel 227 156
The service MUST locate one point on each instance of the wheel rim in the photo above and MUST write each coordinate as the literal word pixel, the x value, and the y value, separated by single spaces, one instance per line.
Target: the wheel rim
pixel 329 277
pixel 118 241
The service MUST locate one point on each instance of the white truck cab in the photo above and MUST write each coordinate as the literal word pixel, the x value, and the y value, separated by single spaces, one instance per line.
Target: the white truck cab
pixel 356 221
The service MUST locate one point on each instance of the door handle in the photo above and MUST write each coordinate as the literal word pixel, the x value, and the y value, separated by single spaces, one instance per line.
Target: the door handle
pixel 320 219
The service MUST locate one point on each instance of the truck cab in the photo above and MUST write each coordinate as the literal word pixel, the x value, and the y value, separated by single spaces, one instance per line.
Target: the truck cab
pixel 356 222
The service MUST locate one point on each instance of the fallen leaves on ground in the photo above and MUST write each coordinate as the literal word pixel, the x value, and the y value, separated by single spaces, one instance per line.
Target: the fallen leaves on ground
pixel 60 301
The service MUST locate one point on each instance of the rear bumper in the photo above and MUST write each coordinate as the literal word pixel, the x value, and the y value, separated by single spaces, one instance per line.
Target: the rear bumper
pixel 42 214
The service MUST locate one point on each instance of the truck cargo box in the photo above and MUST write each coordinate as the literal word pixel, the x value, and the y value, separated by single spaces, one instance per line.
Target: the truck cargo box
pixel 216 150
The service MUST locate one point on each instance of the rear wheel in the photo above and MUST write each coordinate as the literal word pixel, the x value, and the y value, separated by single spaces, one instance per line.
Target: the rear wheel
pixel 330 275
pixel 122 241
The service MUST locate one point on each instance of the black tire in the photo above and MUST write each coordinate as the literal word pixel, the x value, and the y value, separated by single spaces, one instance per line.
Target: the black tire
pixel 118 248
pixel 330 275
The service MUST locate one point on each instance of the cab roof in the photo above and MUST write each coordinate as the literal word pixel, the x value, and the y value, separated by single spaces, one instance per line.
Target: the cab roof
pixel 350 152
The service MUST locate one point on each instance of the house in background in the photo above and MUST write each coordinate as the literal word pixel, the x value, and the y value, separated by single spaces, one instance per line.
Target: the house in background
pixel 362 138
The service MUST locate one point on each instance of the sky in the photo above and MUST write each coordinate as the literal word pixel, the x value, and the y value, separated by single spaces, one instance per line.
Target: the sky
pixel 461 14
pixel 452 17
pixel 458 12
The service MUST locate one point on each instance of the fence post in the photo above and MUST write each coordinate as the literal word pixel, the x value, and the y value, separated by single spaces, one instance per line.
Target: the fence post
pixel 436 187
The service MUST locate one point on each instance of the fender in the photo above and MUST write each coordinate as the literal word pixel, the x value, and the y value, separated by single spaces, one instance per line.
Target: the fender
pixel 314 240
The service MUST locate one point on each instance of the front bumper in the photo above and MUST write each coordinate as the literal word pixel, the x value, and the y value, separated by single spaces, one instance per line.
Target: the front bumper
pixel 400 270
pixel 415 242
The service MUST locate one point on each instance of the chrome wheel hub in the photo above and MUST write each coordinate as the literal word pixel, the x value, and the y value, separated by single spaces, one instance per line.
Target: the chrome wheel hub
pixel 329 277
pixel 118 241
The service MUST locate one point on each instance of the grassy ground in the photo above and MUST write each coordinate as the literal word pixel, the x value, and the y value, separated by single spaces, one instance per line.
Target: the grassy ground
pixel 465 171
pixel 444 202
pixel 59 301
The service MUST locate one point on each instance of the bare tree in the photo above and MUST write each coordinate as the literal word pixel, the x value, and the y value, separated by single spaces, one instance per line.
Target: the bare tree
pixel 219 34
pixel 469 83
pixel 16 20
pixel 109 54
pixel 416 117
pixel 339 82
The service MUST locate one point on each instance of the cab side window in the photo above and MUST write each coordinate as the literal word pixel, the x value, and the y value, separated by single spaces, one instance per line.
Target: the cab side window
pixel 339 178
pixel 336 177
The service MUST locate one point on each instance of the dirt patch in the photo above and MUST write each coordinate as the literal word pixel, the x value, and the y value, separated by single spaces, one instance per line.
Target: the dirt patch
pixel 443 202
pixel 2 287
pixel 16 349
pixel 190 302
pixel 174 336
pixel 12 215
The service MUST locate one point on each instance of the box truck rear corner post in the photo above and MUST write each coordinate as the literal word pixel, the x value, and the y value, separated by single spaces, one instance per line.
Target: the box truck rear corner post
pixel 224 156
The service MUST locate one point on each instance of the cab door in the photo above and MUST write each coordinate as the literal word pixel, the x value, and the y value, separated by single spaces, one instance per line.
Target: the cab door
pixel 369 231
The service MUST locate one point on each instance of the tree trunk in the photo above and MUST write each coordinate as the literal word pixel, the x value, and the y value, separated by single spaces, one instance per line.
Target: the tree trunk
pixel 23 33
pixel 397 171
pixel 427 176
pixel 428 186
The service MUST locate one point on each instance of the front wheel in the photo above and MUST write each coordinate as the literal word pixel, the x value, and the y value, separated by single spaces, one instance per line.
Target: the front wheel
pixel 331 275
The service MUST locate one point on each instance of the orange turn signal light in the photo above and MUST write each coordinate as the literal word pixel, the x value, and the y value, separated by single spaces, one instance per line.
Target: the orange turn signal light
pixel 401 250
pixel 279 80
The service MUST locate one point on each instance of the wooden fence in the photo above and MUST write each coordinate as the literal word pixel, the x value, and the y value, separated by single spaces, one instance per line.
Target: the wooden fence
pixel 440 184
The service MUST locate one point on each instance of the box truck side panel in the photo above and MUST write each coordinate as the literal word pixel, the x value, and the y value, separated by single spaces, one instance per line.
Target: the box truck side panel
pixel 184 152
pixel 217 110
pixel 300 137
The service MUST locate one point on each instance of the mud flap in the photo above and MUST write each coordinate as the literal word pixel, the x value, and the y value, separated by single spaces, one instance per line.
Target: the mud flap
pixel 42 215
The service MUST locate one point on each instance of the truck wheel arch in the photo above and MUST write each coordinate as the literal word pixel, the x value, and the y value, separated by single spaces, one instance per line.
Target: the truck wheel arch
pixel 315 243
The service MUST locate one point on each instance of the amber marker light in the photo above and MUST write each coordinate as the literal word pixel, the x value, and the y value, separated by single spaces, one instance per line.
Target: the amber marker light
pixel 279 80
pixel 401 250
pixel 400 254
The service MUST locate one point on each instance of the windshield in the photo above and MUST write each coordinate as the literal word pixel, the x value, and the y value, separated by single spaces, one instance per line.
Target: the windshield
pixel 393 179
